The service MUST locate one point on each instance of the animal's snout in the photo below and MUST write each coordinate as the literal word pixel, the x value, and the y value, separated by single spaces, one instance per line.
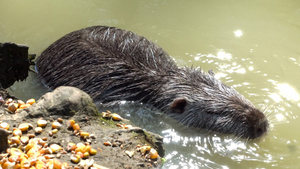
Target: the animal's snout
pixel 260 129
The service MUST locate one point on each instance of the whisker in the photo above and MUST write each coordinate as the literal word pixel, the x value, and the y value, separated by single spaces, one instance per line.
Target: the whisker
pixel 268 107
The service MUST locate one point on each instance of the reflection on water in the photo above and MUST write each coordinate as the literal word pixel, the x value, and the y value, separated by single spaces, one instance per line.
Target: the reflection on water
pixel 251 45
pixel 288 92
pixel 238 33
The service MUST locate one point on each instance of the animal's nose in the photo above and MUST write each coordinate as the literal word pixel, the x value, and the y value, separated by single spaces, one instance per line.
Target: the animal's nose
pixel 260 129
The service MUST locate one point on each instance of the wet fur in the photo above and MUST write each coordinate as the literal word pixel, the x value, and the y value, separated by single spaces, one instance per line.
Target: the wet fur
pixel 113 64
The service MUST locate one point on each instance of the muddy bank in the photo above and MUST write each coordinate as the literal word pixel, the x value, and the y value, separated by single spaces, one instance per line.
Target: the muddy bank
pixel 116 146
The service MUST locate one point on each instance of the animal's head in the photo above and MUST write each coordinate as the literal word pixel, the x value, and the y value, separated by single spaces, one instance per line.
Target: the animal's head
pixel 202 101
pixel 229 117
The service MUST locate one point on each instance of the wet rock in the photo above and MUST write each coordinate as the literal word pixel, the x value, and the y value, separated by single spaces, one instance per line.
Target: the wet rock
pixel 154 139
pixel 157 142
pixel 64 101
pixel 15 63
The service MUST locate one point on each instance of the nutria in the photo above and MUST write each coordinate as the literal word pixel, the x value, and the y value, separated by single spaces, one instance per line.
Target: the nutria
pixel 113 64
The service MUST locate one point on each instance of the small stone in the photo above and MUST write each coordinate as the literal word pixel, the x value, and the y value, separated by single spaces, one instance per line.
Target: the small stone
pixel 129 153
pixel 141 164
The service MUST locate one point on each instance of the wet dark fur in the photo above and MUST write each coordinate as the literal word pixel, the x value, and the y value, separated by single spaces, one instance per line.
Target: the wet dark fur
pixel 113 64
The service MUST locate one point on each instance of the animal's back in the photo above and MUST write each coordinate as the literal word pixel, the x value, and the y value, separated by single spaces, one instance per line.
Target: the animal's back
pixel 104 62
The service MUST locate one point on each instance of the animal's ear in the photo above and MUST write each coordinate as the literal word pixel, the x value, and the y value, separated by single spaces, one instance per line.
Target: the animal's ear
pixel 178 105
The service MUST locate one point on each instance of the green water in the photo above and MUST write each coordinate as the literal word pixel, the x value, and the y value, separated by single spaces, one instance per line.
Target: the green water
pixel 252 45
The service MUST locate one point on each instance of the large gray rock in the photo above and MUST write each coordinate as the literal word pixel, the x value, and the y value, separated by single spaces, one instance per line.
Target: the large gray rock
pixel 63 101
